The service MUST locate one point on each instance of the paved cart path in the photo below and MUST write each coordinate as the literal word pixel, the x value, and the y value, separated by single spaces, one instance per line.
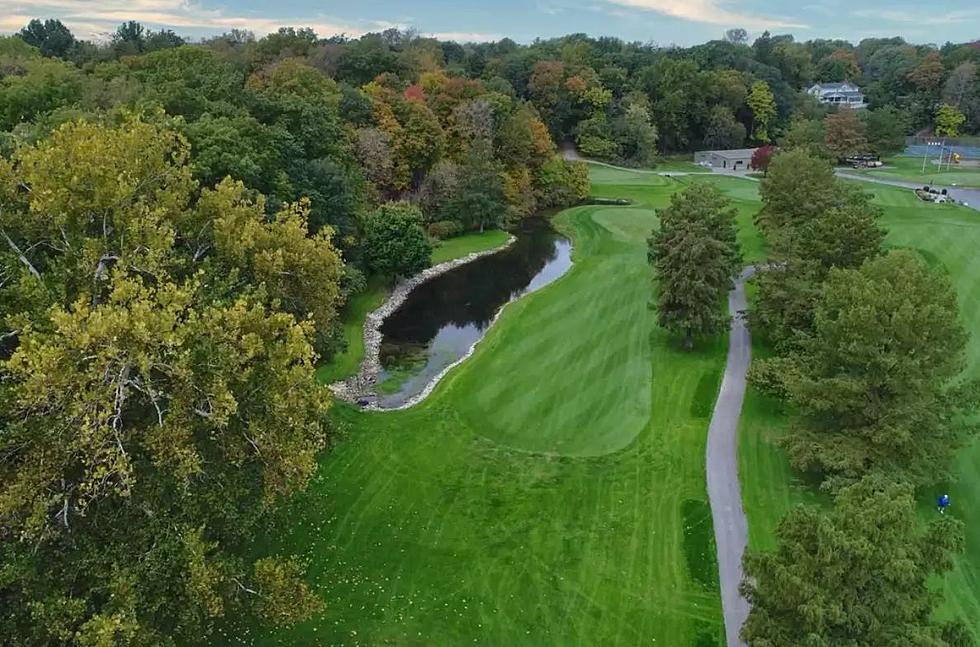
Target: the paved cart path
pixel 724 493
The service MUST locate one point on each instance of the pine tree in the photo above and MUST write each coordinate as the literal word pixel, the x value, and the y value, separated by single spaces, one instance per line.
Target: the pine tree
pixel 855 576
pixel 696 256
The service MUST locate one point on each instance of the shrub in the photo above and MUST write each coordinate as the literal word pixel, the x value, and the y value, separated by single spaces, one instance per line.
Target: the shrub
pixel 445 229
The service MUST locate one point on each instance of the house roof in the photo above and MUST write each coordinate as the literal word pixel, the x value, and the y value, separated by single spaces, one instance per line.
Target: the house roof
pixel 836 87
pixel 735 153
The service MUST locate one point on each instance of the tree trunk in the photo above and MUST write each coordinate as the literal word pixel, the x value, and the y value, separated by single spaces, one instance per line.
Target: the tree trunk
pixel 689 339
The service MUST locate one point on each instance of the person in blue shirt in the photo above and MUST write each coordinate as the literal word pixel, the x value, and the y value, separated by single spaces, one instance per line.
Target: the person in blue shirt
pixel 943 503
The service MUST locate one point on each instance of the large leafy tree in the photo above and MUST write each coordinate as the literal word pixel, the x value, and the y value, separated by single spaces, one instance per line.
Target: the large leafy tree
pixel 949 119
pixel 763 105
pixel 156 366
pixel 395 244
pixel 886 130
pixel 479 201
pixel 50 36
pixel 857 575
pixel 876 385
pixel 846 134
pixel 696 256
pixel 798 187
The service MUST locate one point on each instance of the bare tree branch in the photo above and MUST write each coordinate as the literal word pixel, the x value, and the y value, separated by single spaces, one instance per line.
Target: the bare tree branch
pixel 20 255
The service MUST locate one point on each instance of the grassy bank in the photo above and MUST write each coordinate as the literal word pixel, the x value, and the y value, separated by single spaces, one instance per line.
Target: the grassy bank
pixel 551 491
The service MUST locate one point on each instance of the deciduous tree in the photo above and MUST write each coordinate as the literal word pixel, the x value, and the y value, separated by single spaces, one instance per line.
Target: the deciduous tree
pixel 394 241
pixel 155 377
pixel 845 134
pixel 763 105
pixel 948 121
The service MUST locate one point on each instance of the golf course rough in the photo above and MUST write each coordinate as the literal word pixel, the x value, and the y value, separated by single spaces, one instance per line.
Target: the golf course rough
pixel 550 491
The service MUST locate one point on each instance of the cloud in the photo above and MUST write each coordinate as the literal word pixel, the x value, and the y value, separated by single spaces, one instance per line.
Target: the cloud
pixel 463 36
pixel 709 11
pixel 921 19
pixel 94 18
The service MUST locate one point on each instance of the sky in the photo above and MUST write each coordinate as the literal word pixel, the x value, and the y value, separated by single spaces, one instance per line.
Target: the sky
pixel 663 22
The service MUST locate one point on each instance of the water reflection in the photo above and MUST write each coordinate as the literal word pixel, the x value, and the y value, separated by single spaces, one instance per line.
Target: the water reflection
pixel 442 318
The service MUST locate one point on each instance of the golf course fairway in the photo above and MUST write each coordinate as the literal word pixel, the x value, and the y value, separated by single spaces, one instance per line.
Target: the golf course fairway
pixel 551 491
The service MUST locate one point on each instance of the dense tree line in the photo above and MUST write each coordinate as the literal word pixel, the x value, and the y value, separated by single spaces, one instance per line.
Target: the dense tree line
pixel 868 348
pixel 180 225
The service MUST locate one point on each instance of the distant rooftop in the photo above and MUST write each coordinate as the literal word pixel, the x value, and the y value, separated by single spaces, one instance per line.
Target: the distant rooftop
pixel 734 153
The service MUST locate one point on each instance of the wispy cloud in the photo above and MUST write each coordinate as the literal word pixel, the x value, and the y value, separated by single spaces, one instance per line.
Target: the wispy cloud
pixel 916 18
pixel 463 36
pixel 93 18
pixel 715 12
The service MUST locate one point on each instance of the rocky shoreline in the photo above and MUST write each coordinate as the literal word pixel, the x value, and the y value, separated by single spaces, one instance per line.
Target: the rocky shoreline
pixel 362 386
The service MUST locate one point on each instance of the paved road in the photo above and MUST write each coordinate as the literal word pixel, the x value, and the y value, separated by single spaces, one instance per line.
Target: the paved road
pixel 724 493
pixel 572 155
pixel 969 197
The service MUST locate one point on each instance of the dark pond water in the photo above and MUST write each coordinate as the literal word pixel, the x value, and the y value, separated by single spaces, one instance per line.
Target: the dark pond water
pixel 443 318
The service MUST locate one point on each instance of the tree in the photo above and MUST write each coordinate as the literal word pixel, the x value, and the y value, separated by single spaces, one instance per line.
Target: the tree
pixel 479 201
pixel 844 236
pixel 886 130
pixel 737 36
pixel 129 39
pixel 50 36
pixel 638 135
pixel 857 575
pixel 928 75
pixel 724 131
pixel 797 188
pixel 594 137
pixel 762 157
pixel 696 257
pixel 561 183
pixel 845 134
pixel 763 105
pixel 394 241
pixel 171 330
pixel 875 386
pixel 42 85
pixel 805 134
pixel 948 121
pixel 840 65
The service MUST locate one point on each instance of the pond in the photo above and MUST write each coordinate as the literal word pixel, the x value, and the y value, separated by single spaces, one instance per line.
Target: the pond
pixel 442 318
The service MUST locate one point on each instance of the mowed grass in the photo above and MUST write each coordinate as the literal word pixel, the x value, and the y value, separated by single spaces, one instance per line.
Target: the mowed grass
pixel 948 237
pixel 551 491
pixel 346 363
pixel 909 169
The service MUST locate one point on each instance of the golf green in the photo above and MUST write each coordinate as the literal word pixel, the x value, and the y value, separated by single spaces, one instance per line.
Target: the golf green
pixel 551 491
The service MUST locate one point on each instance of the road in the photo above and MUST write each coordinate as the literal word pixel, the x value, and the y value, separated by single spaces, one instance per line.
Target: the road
pixel 724 492
pixel 968 197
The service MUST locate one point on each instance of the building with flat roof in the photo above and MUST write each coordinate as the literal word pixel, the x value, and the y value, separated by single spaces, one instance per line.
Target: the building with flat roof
pixel 737 159
pixel 845 95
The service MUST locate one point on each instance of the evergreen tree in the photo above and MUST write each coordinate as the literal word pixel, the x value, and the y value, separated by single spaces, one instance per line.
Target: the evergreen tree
pixel 875 383
pixel 696 256
pixel 857 576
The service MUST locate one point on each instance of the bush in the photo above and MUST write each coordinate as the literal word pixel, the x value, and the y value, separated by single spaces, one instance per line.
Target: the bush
pixel 445 229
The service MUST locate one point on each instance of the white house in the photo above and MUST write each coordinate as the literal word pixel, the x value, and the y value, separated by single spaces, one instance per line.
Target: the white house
pixel 839 94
